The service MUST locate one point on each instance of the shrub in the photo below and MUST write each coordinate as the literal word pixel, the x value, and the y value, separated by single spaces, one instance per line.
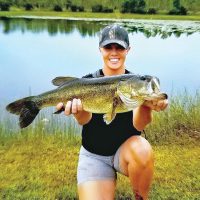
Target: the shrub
pixel 57 8
pixel 4 6
pixel 37 5
pixel 173 12
pixel 28 6
pixel 100 8
pixel 133 6
pixel 139 11
pixel 74 8
pixel 152 11
pixel 97 8
pixel 107 10
pixel 178 9
pixel 80 8
pixel 183 11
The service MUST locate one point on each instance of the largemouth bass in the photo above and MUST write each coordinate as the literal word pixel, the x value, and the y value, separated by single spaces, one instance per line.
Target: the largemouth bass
pixel 108 95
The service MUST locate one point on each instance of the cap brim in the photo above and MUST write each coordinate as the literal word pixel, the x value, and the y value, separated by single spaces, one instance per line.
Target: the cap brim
pixel 121 43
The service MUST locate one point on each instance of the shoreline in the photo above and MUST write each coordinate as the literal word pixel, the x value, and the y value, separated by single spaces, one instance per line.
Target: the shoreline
pixel 96 16
pixel 97 19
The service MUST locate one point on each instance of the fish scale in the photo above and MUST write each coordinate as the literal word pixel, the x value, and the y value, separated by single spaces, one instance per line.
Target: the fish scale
pixel 108 95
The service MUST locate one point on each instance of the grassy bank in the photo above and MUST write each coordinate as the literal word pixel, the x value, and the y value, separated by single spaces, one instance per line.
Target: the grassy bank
pixel 115 15
pixel 179 123
pixel 40 162
pixel 40 166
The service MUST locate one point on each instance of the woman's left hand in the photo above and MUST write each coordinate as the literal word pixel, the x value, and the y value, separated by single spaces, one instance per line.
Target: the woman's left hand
pixel 157 105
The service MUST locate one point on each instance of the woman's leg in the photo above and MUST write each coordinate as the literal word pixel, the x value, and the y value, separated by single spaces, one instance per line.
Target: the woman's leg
pixel 97 190
pixel 136 161
pixel 96 176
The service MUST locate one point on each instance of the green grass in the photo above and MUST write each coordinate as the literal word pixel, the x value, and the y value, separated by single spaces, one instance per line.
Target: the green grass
pixel 44 167
pixel 38 167
pixel 115 15
pixel 179 123
pixel 40 162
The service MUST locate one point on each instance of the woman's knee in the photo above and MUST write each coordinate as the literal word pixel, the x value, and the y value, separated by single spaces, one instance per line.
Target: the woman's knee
pixel 138 151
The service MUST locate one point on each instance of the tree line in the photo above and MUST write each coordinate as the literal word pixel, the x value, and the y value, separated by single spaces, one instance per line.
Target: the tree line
pixel 175 7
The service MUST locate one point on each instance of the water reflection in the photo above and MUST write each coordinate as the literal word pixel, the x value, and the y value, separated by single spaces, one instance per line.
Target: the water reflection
pixel 90 28
pixel 164 29
pixel 52 26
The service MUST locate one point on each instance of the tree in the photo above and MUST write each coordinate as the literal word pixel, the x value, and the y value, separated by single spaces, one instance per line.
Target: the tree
pixel 57 8
pixel 125 7
pixel 4 6
pixel 183 11
pixel 176 4
pixel 133 6
pixel 97 8
pixel 68 4
pixel 140 8
pixel 152 11
pixel 28 6
pixel 141 4
pixel 178 9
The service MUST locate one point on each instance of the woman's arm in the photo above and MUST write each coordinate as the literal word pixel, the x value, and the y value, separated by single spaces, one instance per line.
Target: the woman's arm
pixel 142 115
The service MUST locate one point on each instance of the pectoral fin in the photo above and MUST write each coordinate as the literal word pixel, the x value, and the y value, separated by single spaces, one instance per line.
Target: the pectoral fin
pixel 109 117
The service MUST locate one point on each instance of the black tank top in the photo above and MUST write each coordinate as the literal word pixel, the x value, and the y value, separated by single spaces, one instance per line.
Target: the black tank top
pixel 103 139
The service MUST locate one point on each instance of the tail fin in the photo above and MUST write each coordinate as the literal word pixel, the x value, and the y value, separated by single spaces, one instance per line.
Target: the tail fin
pixel 26 108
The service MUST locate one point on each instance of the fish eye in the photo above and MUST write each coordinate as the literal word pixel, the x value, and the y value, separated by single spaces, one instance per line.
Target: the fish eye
pixel 143 78
pixel 146 78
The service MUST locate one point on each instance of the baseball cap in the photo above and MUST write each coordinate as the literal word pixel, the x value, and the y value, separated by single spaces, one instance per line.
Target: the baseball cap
pixel 114 34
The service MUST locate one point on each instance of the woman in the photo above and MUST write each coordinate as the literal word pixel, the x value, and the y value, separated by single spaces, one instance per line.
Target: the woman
pixel 119 146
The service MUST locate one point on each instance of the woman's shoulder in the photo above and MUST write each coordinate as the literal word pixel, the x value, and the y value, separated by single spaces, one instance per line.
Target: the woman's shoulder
pixel 99 73
pixel 88 76
pixel 96 74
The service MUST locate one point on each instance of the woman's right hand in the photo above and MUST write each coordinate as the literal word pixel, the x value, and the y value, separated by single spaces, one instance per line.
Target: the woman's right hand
pixel 75 107
pixel 72 107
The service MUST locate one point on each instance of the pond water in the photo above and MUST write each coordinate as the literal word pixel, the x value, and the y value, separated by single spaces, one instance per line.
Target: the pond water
pixel 34 51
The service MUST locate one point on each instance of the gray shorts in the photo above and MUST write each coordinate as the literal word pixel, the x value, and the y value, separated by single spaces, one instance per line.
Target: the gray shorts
pixel 93 167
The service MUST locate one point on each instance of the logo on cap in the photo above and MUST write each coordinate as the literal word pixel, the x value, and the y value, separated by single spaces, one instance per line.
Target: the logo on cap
pixel 112 34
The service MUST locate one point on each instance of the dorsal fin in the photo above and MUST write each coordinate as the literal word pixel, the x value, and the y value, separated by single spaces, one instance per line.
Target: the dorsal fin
pixel 58 81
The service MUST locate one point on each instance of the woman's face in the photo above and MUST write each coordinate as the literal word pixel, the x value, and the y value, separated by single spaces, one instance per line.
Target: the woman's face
pixel 114 56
